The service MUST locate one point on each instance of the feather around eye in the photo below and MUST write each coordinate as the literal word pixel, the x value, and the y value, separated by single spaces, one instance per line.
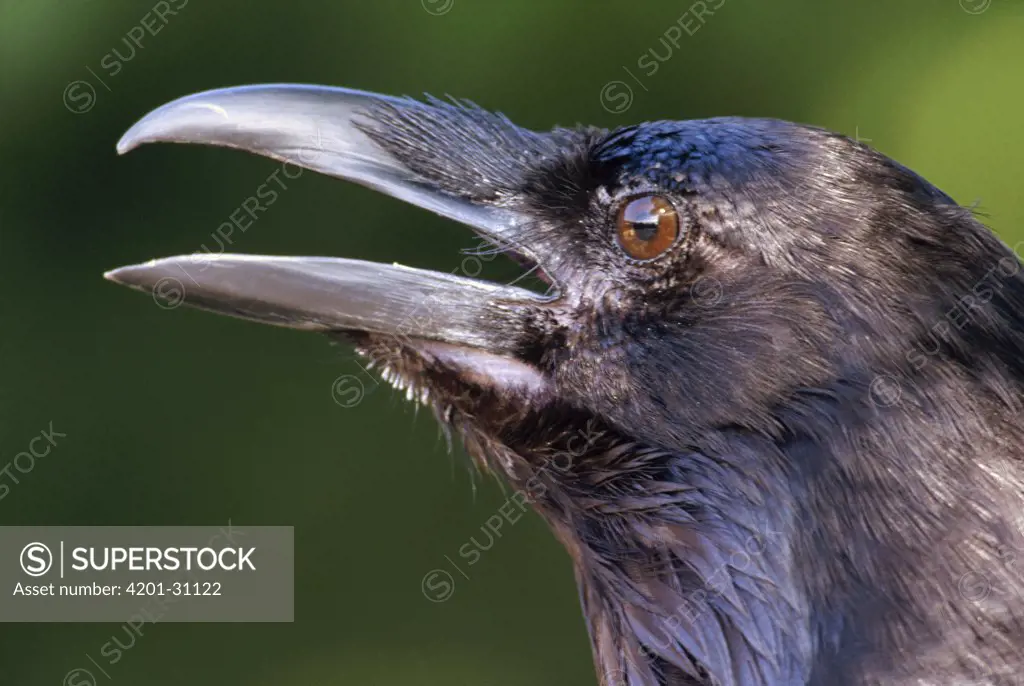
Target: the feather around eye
pixel 647 226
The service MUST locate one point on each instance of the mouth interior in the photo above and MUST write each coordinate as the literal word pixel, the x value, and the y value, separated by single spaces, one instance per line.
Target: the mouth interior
pixel 531 269
pixel 532 275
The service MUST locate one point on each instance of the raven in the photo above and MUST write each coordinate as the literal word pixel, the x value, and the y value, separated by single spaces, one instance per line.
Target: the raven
pixel 771 403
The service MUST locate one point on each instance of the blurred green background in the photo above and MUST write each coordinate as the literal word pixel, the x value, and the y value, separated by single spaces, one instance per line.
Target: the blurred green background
pixel 180 417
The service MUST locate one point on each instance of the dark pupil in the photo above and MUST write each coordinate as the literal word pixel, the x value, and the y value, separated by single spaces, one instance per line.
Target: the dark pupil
pixel 646 229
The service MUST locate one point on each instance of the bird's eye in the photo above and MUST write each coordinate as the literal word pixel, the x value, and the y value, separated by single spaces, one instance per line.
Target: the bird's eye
pixel 647 226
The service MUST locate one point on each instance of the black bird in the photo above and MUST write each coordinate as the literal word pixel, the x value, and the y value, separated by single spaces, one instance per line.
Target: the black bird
pixel 771 405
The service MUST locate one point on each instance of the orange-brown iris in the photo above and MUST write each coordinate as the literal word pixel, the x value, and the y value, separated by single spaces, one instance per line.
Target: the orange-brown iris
pixel 647 226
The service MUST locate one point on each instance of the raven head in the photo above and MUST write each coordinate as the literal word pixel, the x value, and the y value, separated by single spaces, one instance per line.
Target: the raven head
pixel 768 402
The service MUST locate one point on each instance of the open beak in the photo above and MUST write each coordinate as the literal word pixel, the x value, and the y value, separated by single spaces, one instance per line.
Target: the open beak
pixel 324 129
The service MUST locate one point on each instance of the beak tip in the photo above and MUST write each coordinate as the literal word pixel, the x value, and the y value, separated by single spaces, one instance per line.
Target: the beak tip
pixel 126 144
pixel 118 276
pixel 132 276
pixel 164 124
pixel 140 132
